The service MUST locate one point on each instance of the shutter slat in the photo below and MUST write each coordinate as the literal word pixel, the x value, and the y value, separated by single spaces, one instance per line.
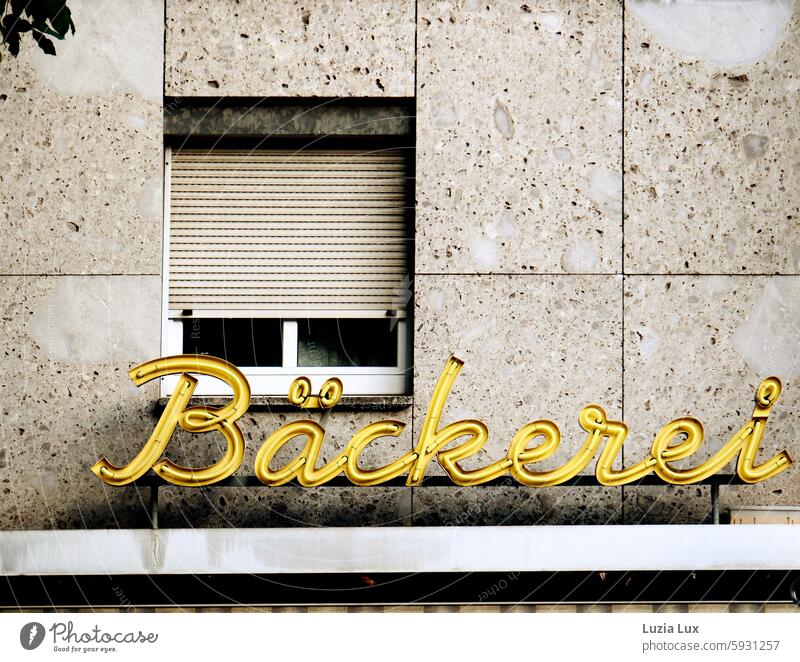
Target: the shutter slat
pixel 280 156
pixel 244 242
pixel 301 302
pixel 272 169
pixel 279 228
pixel 376 267
pixel 281 308
pixel 266 232
pixel 350 194
pixel 282 186
pixel 377 253
pixel 290 280
pixel 363 291
pixel 294 218
pixel 315 179
pixel 288 263
pixel 290 207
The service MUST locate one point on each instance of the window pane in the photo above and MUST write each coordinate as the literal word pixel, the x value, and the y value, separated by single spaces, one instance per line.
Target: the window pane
pixel 243 342
pixel 347 342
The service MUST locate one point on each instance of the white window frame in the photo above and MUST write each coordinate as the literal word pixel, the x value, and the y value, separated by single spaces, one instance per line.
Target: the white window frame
pixel 275 381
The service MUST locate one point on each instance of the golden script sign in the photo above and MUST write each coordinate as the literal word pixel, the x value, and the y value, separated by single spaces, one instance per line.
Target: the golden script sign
pixel 534 442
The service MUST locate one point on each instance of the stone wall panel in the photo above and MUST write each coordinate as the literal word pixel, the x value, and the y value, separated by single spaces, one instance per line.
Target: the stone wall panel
pixel 259 48
pixel 519 137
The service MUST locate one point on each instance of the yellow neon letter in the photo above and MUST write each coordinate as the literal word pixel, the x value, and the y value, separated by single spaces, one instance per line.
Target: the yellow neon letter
pixel 192 419
pixel 303 467
pixel 432 439
pixel 592 419
pixel 746 442
pixel 766 395
pixel 364 477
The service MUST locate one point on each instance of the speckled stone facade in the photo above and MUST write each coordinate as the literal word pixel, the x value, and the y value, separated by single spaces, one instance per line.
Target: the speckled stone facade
pixel 316 48
pixel 519 137
pixel 724 335
pixel 523 341
pixel 82 153
pixel 585 232
pixel 711 153
pixel 80 286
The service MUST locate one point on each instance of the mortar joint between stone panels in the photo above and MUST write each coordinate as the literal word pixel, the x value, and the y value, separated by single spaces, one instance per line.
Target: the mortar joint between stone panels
pixel 71 275
pixel 416 46
pixel 164 61
pixel 622 143
pixel 622 244
pixel 412 515
pixel 517 273
pixel 694 274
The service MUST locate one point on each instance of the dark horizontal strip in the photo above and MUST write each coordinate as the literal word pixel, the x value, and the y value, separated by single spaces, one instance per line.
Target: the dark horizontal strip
pixel 505 588
pixel 303 240
pixel 282 276
pixel 223 253
pixel 588 480
pixel 392 175
pixel 259 287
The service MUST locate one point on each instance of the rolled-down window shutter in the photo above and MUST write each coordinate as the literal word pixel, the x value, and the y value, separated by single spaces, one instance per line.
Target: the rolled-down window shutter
pixel 282 233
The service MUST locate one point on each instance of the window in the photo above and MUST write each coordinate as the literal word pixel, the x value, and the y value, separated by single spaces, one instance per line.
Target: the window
pixel 289 262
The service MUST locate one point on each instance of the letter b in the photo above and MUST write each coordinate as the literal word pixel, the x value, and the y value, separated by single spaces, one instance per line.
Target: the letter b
pixel 191 419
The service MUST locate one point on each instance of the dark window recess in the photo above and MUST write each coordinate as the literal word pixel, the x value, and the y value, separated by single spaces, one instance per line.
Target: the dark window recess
pixel 243 342
pixel 347 342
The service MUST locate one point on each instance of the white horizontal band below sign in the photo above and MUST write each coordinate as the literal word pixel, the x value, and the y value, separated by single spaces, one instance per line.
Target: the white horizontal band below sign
pixel 400 549
pixel 286 233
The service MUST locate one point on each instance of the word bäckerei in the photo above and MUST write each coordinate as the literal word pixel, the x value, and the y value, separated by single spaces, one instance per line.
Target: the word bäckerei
pixel 534 442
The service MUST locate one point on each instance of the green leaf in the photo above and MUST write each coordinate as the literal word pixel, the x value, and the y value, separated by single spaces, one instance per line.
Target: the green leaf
pixel 34 9
pixel 41 26
pixel 44 43
pixel 47 17
pixel 18 5
pixel 53 6
pixel 62 22
pixel 9 23
pixel 12 41
pixel 39 12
